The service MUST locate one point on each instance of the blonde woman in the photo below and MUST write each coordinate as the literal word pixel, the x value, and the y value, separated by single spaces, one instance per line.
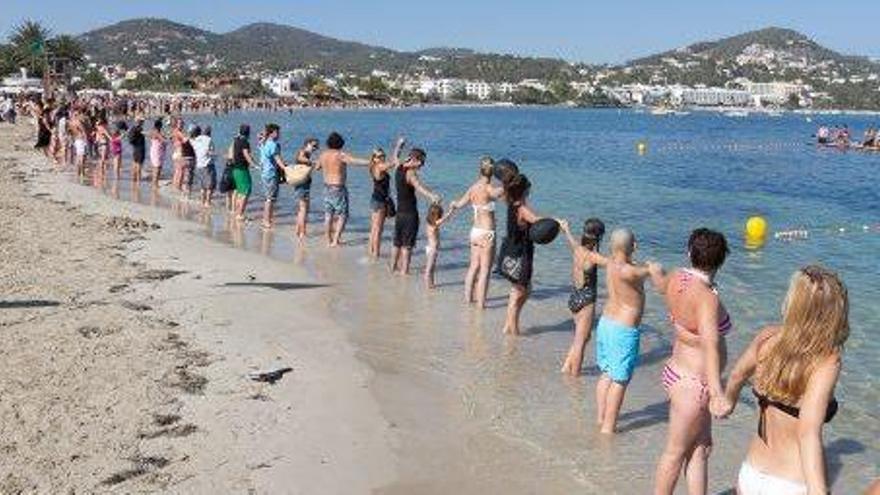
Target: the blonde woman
pixel 482 196
pixel 794 367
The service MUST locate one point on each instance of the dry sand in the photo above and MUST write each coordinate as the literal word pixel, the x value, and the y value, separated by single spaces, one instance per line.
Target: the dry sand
pixel 127 340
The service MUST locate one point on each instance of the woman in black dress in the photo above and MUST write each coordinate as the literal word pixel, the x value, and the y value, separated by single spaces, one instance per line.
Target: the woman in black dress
pixel 517 250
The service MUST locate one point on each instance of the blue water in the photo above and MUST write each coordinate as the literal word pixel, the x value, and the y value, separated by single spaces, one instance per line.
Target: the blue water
pixel 703 169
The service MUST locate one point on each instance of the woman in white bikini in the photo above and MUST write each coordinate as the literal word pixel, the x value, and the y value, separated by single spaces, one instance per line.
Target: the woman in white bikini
pixel 794 366
pixel 481 196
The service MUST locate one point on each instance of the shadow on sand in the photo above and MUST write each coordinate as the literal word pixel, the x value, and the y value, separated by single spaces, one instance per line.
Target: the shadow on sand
pixel 33 303
pixel 275 285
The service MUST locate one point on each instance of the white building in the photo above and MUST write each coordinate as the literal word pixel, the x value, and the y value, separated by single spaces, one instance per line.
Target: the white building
pixel 712 97
pixel 480 90
pixel 441 88
pixel 773 92
pixel 534 84
pixel 286 84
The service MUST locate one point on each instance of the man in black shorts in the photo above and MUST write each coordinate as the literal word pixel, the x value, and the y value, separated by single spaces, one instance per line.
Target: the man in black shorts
pixel 406 224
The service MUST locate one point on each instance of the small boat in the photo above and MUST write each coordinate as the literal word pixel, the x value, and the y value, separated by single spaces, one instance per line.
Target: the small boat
pixel 736 113
pixel 662 111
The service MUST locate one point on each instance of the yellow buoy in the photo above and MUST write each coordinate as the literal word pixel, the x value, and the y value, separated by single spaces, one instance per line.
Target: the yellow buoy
pixel 756 231
pixel 642 148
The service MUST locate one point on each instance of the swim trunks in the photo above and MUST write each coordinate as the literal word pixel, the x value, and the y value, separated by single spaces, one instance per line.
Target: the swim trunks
pixel 617 349
pixel 206 177
pixel 335 200
pixel 303 191
pixel 241 178
pixel 270 187
pixel 406 229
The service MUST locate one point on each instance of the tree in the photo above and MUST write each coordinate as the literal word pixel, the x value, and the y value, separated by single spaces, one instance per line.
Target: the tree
pixel 93 79
pixel 66 47
pixel 7 60
pixel 562 91
pixel 28 41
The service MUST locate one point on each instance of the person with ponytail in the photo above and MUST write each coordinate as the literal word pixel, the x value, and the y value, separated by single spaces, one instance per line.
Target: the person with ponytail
pixel 517 249
pixel 794 367
pixel 481 196
pixel 582 302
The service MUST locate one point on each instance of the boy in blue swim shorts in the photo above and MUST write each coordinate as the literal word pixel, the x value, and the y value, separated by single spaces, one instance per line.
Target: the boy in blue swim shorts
pixel 617 335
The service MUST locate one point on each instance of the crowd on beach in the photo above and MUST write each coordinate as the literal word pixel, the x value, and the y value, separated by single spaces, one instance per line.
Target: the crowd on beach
pixel 793 365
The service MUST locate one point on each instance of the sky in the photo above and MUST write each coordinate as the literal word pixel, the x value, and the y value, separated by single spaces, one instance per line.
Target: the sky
pixel 575 30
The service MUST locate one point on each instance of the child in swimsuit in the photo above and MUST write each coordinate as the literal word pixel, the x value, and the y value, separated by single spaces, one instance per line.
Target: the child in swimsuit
pixel 434 219
pixel 582 302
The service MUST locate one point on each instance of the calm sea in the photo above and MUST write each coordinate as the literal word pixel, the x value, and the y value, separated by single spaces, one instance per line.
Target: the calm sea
pixel 702 169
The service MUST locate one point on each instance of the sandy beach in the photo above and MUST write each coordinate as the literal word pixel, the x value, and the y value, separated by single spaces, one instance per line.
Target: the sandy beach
pixel 127 343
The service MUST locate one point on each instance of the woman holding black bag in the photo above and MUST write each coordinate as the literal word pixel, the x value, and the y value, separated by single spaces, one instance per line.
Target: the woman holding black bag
pixel 517 249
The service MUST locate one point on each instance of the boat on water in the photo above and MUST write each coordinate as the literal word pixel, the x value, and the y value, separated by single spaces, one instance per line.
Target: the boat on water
pixel 736 114
pixel 663 111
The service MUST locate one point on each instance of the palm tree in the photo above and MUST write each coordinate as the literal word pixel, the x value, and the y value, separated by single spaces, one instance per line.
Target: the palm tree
pixel 28 42
pixel 66 47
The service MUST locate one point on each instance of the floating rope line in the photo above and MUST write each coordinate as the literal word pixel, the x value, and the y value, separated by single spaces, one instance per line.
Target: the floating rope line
pixel 803 233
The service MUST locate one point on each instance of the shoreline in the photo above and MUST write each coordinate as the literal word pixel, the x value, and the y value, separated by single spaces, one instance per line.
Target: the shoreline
pixel 215 429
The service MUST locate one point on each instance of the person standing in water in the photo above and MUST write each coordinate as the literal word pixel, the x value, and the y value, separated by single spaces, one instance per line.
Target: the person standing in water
pixel 334 163
pixel 178 137
pixel 206 171
pixel 692 376
pixel 138 148
pixel 482 196
pixel 270 163
pixel 242 161
pixel 381 204
pixel 794 367
pixel 618 335
pixel 517 254
pixel 406 223
pixel 582 302
pixel 158 143
pixel 116 150
pixel 302 193
pixel 433 220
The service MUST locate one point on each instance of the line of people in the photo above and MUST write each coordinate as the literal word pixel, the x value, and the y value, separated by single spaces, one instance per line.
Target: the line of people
pixel 793 365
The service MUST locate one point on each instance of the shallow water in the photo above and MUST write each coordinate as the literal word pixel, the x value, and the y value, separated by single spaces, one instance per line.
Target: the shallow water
pixel 490 404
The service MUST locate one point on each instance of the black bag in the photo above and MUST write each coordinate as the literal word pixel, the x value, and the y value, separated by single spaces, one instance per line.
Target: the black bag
pixel 226 182
pixel 390 209
pixel 510 262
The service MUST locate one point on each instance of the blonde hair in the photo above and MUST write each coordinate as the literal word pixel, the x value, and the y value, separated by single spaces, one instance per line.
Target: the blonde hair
pixel 815 325
pixel 487 166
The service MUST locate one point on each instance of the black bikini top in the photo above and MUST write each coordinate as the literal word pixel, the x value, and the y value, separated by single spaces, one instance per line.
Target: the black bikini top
pixel 764 402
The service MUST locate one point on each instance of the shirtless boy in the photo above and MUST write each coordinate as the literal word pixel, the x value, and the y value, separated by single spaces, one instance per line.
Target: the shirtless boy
pixel 617 339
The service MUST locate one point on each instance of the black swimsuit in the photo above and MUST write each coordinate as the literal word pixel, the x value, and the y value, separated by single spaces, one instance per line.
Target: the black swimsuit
pixel 764 402
pixel 381 192
pixel 585 295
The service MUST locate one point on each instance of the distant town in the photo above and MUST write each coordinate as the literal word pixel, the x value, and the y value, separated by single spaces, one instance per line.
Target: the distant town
pixel 771 69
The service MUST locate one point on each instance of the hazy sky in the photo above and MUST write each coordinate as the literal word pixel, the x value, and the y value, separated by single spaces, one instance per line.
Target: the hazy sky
pixel 577 30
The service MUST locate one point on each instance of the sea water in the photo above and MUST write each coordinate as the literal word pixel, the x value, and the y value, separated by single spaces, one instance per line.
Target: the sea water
pixel 479 409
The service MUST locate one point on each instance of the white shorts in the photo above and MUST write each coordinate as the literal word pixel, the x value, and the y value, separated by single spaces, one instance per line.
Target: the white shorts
pixel 754 482
pixel 79 146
